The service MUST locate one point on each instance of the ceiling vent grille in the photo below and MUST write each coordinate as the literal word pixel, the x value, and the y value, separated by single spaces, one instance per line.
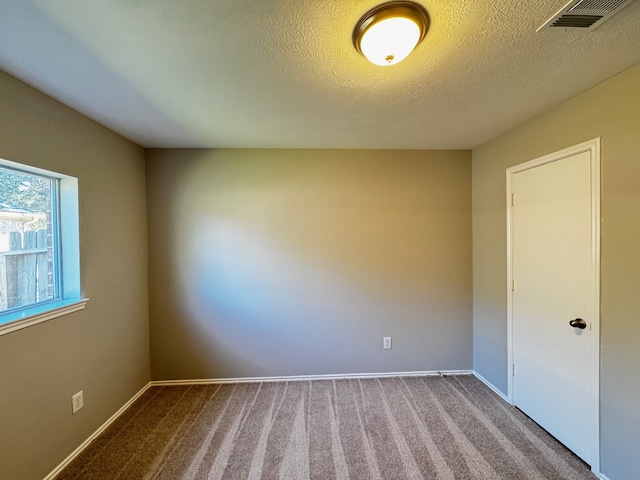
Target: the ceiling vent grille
pixel 584 14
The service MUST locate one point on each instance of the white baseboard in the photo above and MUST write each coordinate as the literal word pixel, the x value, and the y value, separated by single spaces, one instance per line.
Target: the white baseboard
pixel 114 417
pixel 300 378
pixel 93 436
pixel 601 476
pixel 492 387
pixel 294 378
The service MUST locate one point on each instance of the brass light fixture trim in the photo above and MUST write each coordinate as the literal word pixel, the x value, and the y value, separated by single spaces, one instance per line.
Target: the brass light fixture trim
pixel 395 9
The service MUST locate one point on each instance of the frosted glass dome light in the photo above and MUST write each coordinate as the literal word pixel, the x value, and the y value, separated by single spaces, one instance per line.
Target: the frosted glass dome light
pixel 388 33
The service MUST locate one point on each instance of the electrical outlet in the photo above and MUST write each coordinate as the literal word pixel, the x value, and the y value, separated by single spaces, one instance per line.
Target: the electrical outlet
pixel 386 343
pixel 77 402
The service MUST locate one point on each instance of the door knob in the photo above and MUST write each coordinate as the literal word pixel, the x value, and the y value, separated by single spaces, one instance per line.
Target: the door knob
pixel 578 323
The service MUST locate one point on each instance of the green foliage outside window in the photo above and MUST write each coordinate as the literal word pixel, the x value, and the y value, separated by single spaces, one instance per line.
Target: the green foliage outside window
pixel 25 192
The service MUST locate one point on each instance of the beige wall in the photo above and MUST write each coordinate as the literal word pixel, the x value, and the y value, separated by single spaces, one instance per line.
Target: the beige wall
pixel 103 349
pixel 285 262
pixel 267 262
pixel 610 110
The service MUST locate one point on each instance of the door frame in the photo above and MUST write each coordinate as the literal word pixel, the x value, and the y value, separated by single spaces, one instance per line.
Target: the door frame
pixel 592 146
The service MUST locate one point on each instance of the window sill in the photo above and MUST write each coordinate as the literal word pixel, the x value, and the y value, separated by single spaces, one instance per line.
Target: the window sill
pixel 13 321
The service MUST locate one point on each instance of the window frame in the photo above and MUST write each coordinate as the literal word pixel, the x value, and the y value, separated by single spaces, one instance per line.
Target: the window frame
pixel 67 243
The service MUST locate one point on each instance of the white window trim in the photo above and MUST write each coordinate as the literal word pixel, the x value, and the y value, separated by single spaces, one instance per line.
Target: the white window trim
pixel 39 313
pixel 70 299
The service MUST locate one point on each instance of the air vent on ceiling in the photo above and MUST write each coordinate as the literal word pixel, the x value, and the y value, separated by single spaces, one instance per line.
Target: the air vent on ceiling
pixel 585 14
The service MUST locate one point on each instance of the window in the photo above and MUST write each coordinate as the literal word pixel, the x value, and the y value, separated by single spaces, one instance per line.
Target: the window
pixel 28 247
pixel 39 247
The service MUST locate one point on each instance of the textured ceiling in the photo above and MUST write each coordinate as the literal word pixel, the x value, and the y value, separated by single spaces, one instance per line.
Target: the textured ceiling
pixel 284 74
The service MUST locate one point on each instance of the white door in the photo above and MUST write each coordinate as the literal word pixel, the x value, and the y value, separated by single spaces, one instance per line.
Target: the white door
pixel 554 252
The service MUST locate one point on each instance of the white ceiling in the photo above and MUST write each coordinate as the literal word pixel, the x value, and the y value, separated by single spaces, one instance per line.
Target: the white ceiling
pixel 284 74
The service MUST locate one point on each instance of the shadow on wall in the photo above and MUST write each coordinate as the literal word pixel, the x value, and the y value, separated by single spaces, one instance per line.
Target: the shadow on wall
pixel 291 265
pixel 242 293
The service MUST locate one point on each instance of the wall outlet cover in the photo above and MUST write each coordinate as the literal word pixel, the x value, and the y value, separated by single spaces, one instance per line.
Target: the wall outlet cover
pixel 77 402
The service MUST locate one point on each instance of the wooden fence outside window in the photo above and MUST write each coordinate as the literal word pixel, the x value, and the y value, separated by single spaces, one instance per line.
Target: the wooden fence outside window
pixel 26 270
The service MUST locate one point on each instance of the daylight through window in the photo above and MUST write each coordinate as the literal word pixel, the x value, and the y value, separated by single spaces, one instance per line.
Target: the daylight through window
pixel 39 246
pixel 28 244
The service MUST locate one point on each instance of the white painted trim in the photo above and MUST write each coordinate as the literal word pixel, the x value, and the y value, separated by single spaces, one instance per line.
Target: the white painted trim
pixel 95 434
pixel 39 313
pixel 602 476
pixel 596 167
pixel 592 146
pixel 491 386
pixel 115 416
pixel 301 378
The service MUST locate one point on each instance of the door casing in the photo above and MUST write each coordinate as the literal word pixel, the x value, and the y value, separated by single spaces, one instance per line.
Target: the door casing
pixel 592 146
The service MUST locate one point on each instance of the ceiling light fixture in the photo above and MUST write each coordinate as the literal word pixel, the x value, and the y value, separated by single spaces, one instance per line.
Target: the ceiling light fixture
pixel 388 33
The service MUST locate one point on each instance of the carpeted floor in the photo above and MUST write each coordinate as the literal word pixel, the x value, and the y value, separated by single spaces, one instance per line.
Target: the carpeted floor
pixel 389 428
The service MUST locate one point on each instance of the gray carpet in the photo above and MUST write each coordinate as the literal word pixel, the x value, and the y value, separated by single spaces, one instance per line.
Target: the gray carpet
pixel 389 428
